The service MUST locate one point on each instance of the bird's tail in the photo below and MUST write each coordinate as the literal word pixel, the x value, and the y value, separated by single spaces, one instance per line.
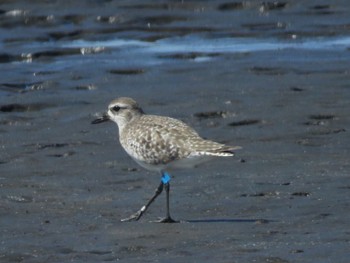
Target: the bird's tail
pixel 217 149
pixel 224 151
pixel 228 150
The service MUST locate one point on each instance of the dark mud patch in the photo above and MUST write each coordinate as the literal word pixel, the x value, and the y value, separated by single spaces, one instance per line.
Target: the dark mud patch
pixel 323 120
pixel 62 155
pixel 130 71
pixel 273 5
pixel 212 114
pixel 329 131
pixel 320 120
pixel 24 107
pixel 189 56
pixel 244 122
pixel 6 58
pixel 75 34
pixel 44 146
pixel 296 251
pixel 322 117
pixel 86 87
pixel 301 194
pixel 261 194
pixel 55 53
pixel 296 89
pixel 321 9
pixel 231 6
pixel 52 145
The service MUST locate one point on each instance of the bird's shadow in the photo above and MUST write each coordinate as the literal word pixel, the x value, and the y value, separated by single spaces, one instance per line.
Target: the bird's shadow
pixel 228 220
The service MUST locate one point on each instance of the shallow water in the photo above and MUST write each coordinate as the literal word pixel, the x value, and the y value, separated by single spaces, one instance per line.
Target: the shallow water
pixel 272 77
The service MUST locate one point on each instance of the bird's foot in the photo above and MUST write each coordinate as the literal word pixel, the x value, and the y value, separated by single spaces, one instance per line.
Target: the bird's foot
pixel 134 217
pixel 166 220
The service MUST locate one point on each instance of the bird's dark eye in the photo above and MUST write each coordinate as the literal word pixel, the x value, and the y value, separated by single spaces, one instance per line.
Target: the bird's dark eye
pixel 116 108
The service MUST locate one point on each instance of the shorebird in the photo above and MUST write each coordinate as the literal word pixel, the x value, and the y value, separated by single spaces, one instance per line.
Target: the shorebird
pixel 159 144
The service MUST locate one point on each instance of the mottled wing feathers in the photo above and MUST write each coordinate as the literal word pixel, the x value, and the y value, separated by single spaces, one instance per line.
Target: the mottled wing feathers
pixel 156 139
pixel 210 148
pixel 160 140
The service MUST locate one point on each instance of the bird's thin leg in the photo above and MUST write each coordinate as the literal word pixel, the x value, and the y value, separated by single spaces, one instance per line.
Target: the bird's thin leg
pixel 167 218
pixel 143 209
pixel 166 180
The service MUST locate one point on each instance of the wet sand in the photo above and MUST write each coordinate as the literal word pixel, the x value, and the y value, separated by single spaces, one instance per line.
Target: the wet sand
pixel 65 184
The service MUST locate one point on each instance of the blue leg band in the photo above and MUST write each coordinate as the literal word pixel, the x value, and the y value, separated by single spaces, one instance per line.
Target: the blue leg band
pixel 165 178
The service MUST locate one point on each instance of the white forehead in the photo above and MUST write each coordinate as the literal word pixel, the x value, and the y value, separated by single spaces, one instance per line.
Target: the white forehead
pixel 123 102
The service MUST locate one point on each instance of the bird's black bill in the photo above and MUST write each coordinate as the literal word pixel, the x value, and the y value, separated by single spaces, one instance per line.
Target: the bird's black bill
pixel 101 119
